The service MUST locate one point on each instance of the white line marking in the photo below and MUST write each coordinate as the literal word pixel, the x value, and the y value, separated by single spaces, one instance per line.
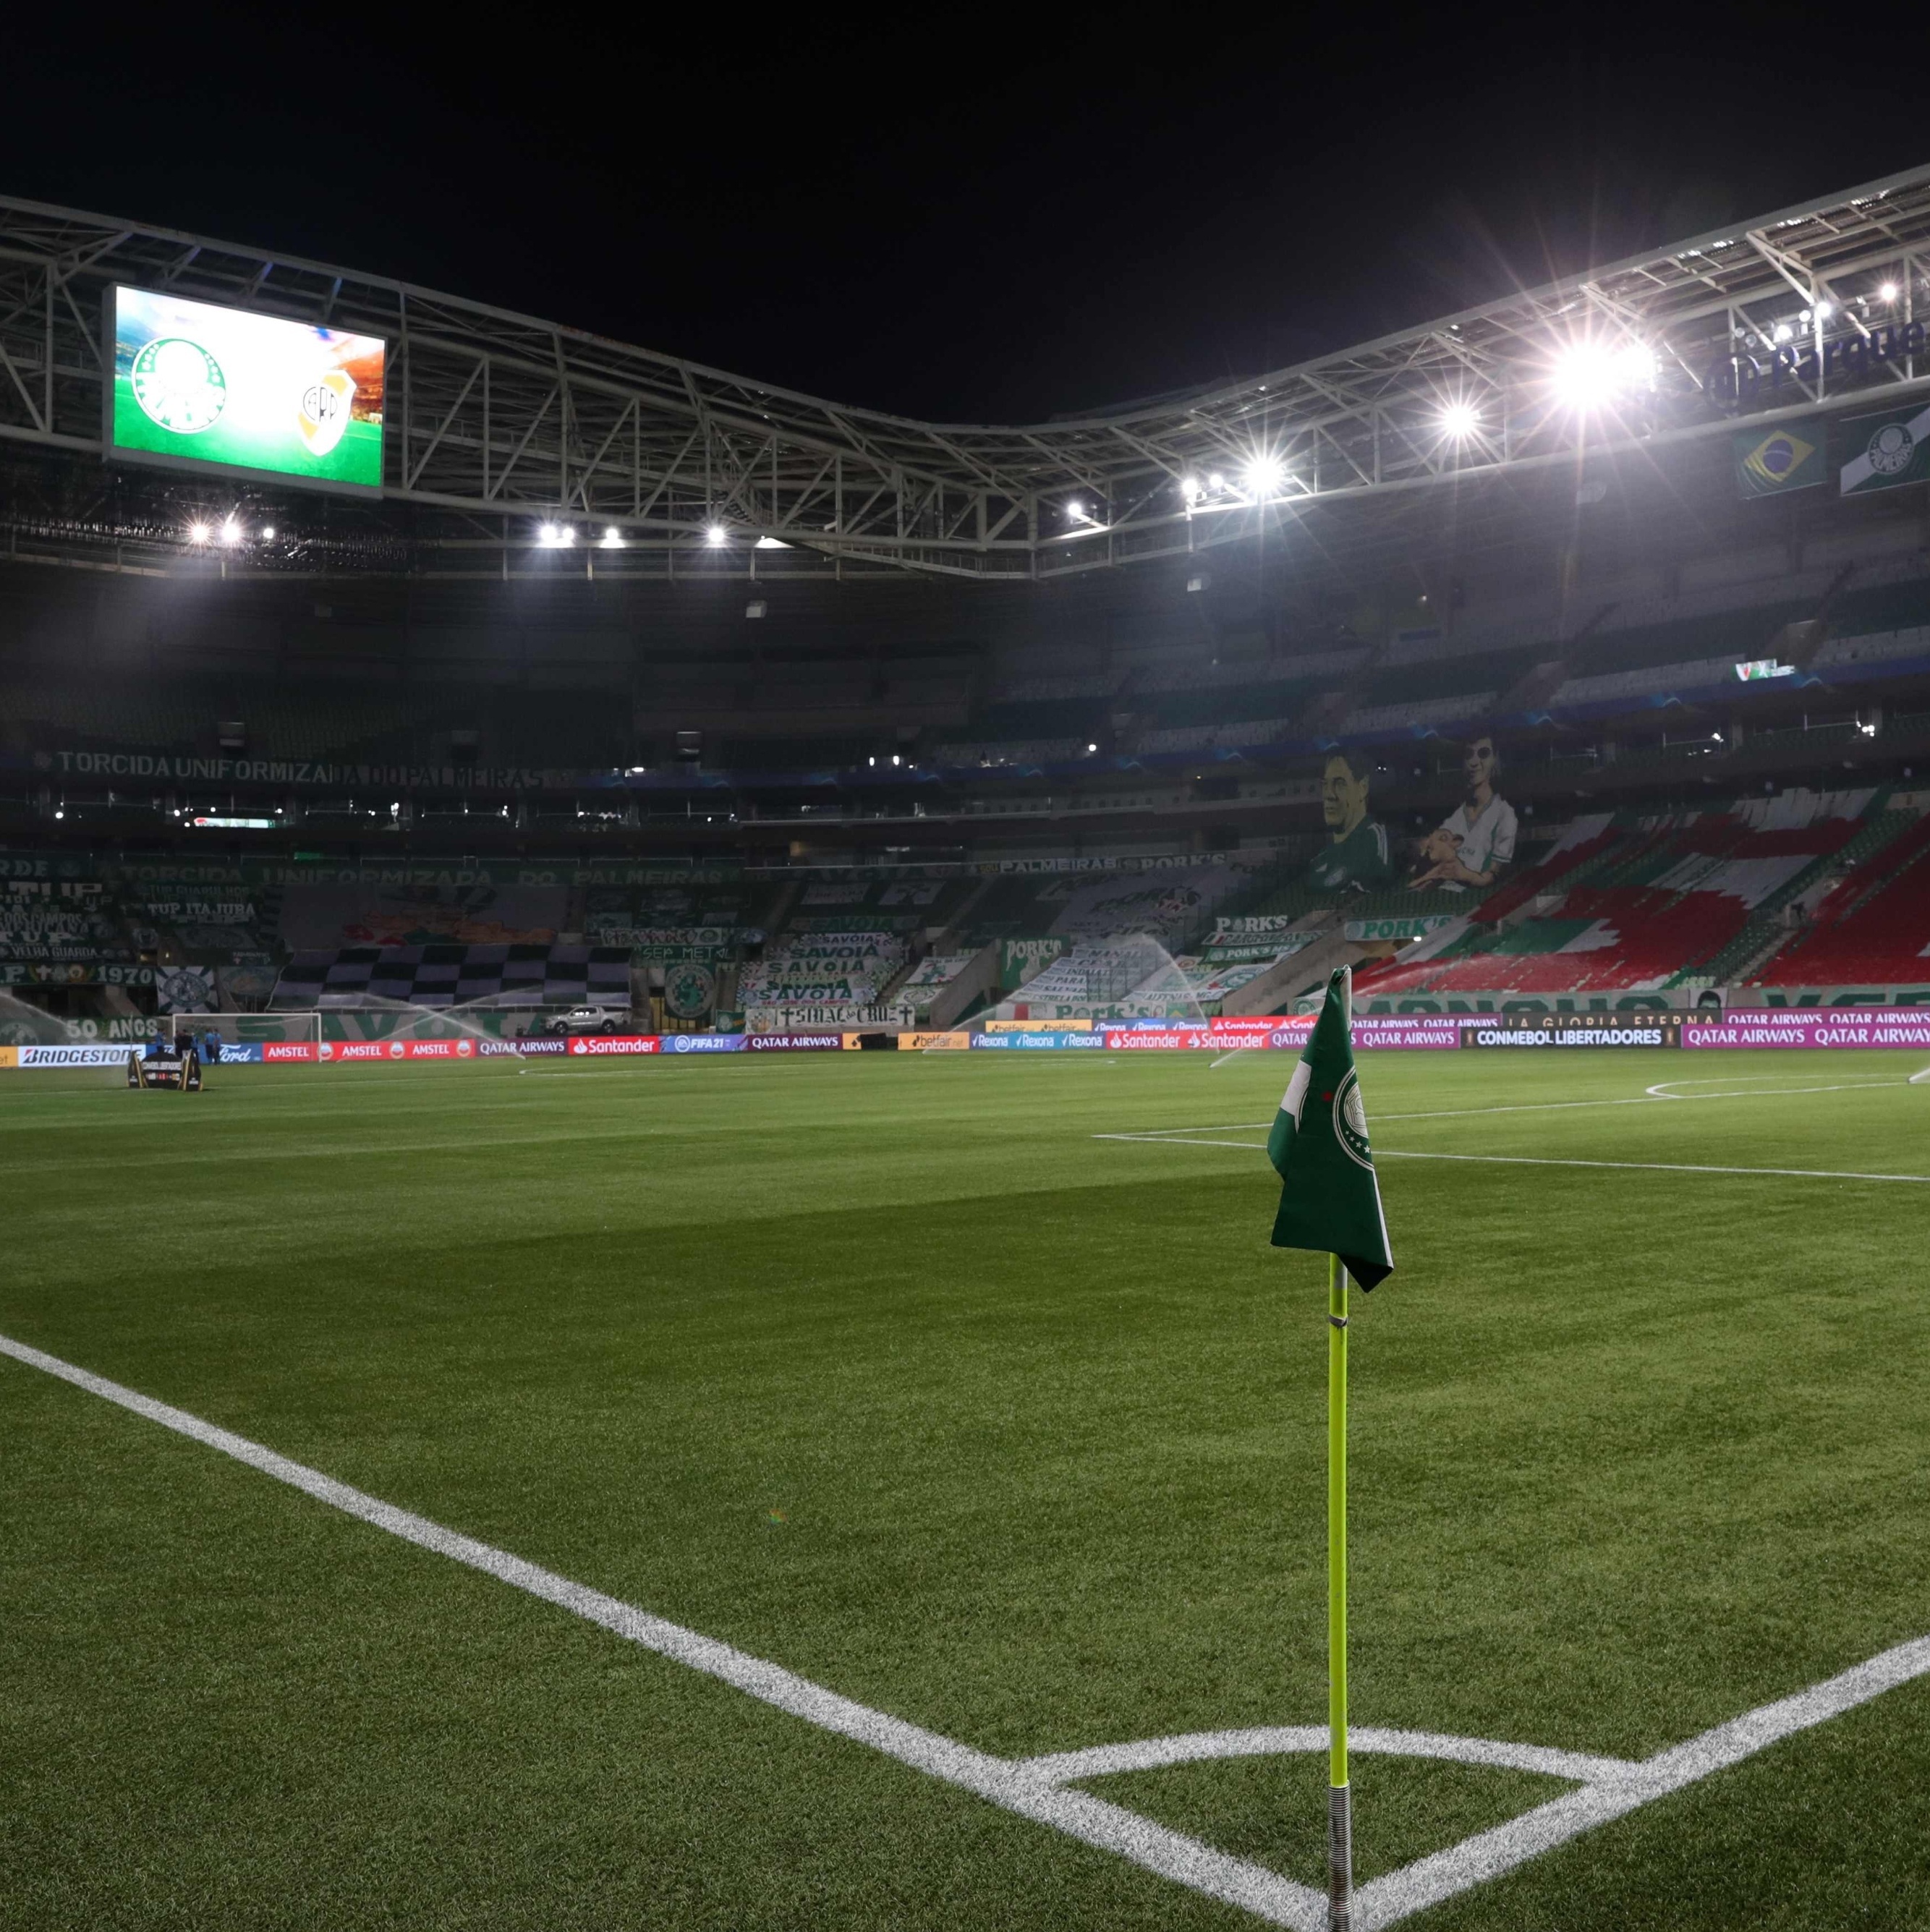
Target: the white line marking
pixel 1033 1787
pixel 1385 1901
pixel 1653 1166
pixel 1182 1139
pixel 1660 1090
pixel 1004 1781
pixel 1271 1740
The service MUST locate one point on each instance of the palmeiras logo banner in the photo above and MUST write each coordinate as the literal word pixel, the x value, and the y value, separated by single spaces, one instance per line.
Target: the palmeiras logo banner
pixel 1787 458
pixel 1885 452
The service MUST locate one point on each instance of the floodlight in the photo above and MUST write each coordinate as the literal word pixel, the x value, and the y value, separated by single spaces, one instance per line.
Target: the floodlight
pixel 546 534
pixel 60 812
pixel 197 533
pixel 894 757
pixel 1076 511
pixel 566 534
pixel 268 532
pixel 1216 481
pixel 1590 374
pixel 1459 419
pixel 1263 475
pixel 1888 292
pixel 231 532
pixel 717 534
pixel 613 538
pixel 1190 488
pixel 1824 311
pixel 1091 748
pixel 1784 331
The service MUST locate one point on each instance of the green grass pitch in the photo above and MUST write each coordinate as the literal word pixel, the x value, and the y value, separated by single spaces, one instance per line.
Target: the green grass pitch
pixel 889 1369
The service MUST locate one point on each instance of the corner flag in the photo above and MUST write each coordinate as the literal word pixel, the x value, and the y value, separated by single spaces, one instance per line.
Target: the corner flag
pixel 1330 1200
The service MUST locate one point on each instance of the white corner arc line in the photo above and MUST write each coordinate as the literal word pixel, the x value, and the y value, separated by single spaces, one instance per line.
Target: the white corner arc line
pixel 1278 1740
pixel 1033 1788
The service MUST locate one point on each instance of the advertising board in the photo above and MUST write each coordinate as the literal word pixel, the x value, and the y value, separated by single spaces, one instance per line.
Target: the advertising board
pixel 1047 1037
pixel 1585 1030
pixel 702 1042
pixel 199 386
pixel 592 1044
pixel 1756 1029
pixel 794 1043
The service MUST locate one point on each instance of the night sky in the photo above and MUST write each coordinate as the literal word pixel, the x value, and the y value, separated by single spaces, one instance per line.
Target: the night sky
pixel 999 220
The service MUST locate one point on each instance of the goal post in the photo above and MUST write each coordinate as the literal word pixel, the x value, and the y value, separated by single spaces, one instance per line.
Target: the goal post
pixel 243 1029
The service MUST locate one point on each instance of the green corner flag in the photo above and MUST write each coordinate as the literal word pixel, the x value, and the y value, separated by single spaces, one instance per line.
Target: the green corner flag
pixel 1330 1200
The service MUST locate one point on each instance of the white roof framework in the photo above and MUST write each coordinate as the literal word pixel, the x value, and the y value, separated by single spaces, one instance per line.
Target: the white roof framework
pixel 507 420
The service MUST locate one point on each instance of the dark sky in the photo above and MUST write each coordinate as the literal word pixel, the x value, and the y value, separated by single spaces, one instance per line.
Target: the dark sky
pixel 991 220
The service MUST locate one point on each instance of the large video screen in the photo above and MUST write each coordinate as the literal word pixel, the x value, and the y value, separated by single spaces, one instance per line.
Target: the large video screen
pixel 195 384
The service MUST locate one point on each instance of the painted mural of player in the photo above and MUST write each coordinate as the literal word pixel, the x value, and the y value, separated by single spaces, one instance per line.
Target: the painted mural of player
pixel 1358 859
pixel 1477 839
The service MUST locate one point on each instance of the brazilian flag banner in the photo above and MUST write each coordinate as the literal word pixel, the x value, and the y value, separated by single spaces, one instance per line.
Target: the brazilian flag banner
pixel 1330 1195
pixel 1788 457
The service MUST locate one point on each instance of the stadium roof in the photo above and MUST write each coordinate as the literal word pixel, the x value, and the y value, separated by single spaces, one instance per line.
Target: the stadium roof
pixel 504 421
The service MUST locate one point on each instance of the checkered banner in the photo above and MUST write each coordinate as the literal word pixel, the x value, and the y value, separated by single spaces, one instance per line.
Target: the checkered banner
pixel 447 976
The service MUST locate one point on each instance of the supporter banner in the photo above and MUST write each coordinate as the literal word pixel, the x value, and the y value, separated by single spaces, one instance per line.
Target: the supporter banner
pixel 1258 925
pixel 1574 1030
pixel 1050 1038
pixel 1365 931
pixel 702 1042
pixel 1756 1029
pixel 1019 958
pixel 614 1043
pixel 1479 1005
pixel 71 973
pixel 793 1042
pixel 1884 452
pixel 1777 999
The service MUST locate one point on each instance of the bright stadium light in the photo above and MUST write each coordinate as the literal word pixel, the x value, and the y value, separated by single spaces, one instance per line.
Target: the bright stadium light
pixel 1190 488
pixel 549 535
pixel 1264 475
pixel 613 538
pixel 1888 292
pixel 231 532
pixel 1459 419
pixel 1076 511
pixel 1824 311
pixel 566 536
pixel 268 532
pixel 1784 331
pixel 1216 481
pixel 715 535
pixel 197 533
pixel 1589 375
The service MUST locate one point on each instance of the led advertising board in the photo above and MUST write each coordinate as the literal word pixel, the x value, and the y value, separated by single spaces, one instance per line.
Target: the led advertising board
pixel 197 385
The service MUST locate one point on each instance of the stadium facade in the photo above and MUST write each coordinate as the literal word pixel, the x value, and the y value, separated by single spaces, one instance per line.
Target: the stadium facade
pixel 1573 651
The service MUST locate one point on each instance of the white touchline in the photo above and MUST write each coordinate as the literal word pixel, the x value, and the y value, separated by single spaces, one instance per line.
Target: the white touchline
pixel 1035 1787
pixel 1180 1137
